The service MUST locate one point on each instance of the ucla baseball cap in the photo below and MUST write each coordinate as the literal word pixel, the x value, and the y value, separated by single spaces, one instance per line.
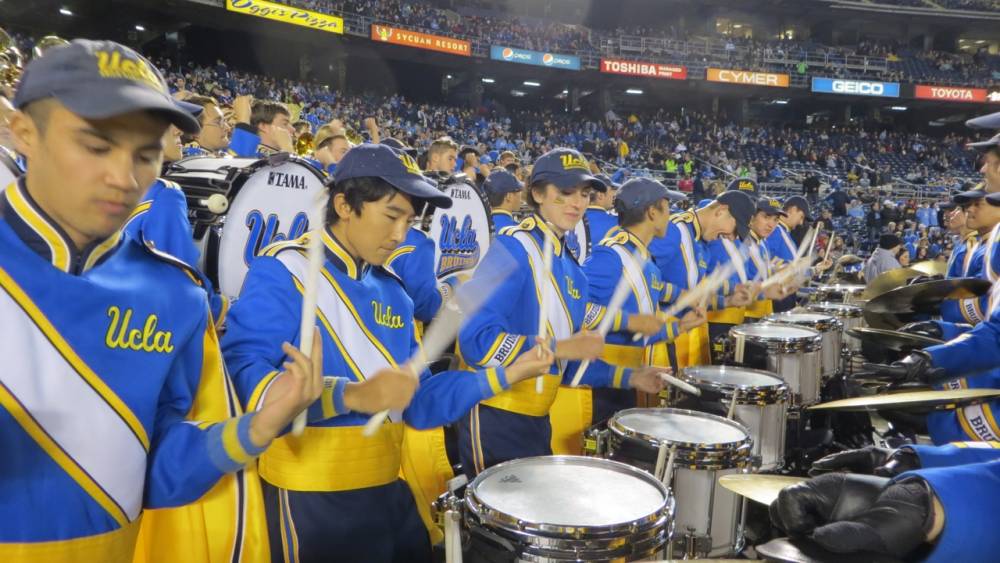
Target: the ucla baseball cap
pixel 770 206
pixel 743 185
pixel 801 203
pixel 741 207
pixel 502 182
pixel 394 143
pixel 969 196
pixel 993 199
pixel 397 168
pixel 98 80
pixel 640 192
pixel 608 182
pixel 566 168
pixel 990 121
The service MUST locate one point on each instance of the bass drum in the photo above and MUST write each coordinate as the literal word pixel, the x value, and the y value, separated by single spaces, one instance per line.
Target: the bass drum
pixel 578 241
pixel 462 233
pixel 269 201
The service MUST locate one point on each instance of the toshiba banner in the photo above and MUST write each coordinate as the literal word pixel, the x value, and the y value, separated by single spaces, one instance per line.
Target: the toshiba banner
pixel 855 87
pixel 747 77
pixel 949 93
pixel 650 70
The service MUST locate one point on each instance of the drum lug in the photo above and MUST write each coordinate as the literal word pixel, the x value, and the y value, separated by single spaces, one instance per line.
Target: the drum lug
pixel 595 442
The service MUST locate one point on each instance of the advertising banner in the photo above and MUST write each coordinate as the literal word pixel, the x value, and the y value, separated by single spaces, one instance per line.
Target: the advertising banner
pixel 855 87
pixel 523 56
pixel 649 70
pixel 949 93
pixel 747 77
pixel 418 40
pixel 287 14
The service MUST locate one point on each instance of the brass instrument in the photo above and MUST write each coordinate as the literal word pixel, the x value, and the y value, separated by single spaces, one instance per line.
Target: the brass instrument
pixel 46 43
pixel 11 61
pixel 304 144
pixel 353 136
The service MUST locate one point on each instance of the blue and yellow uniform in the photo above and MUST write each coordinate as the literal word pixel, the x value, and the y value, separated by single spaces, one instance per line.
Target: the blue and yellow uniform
pixel 245 143
pixel 502 219
pixel 682 258
pixel 195 149
pixel 782 248
pixel 80 426
pixel 161 220
pixel 413 263
pixel 515 423
pixel 968 311
pixel 333 494
pixel 722 251
pixel 600 223
pixel 758 268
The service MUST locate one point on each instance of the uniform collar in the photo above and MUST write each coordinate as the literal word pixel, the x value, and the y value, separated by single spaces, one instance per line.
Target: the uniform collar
pixel 694 223
pixel 755 238
pixel 543 230
pixel 502 212
pixel 596 208
pixel 336 254
pixel 783 224
pixel 46 238
pixel 266 150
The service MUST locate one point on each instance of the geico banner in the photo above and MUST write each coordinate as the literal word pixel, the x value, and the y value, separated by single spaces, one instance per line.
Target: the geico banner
pixel 949 93
pixel 747 77
pixel 855 87
pixel 649 70
pixel 287 14
pixel 526 57
pixel 419 40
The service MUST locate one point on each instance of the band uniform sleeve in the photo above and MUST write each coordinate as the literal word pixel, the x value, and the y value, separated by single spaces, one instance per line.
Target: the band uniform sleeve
pixel 165 224
pixel 488 339
pixel 243 142
pixel 968 494
pixel 668 257
pixel 956 453
pixel 952 330
pixel 972 352
pixel 188 457
pixel 603 270
pixel 414 265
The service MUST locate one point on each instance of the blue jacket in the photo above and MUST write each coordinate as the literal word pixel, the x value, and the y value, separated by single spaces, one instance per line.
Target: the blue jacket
pixel 245 143
pixel 502 219
pixel 600 223
pixel 119 341
pixel 781 245
pixel 682 257
pixel 413 263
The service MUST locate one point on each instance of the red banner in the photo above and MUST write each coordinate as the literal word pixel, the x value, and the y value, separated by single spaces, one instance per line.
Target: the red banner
pixel 949 93
pixel 649 70
pixel 419 40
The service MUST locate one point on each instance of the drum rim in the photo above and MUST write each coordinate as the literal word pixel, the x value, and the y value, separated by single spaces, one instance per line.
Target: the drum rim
pixel 749 394
pixel 505 521
pixel 842 287
pixel 830 324
pixel 618 428
pixel 815 339
pixel 851 310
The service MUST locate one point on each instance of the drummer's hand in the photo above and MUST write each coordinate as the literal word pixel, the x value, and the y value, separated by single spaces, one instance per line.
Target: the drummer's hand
pixel 923 328
pixel 904 515
pixel 533 363
pixel 916 367
pixel 824 265
pixel 872 460
pixel 778 292
pixel 387 389
pixel 803 507
pixel 740 297
pixel 584 345
pixel 648 380
pixel 291 393
pixel 693 319
pixel 241 108
pixel 646 325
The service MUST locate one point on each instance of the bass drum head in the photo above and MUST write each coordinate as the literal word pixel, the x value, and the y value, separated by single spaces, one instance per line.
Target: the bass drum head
pixel 461 233
pixel 268 203
pixel 578 240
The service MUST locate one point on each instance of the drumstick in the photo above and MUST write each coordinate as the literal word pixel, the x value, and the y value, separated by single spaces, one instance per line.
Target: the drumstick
pixel 314 253
pixel 452 538
pixel 732 404
pixel 680 383
pixel 466 301
pixel 661 458
pixel 610 312
pixel 669 469
pixel 701 292
pixel 543 295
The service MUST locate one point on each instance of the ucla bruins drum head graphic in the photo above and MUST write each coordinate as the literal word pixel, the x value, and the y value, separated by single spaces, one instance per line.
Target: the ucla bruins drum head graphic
pixel 462 233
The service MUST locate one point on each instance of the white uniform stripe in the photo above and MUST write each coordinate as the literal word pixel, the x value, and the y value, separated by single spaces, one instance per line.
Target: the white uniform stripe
pixel 633 270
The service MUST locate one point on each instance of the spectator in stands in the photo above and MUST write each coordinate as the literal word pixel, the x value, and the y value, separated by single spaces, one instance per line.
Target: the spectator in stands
pixel 884 258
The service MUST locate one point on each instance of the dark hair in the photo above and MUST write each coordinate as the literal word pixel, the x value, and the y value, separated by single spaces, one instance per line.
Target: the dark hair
pixel 530 200
pixel 302 124
pixel 39 111
pixel 631 217
pixel 204 102
pixel 264 111
pixel 357 192
pixel 496 198
pixel 513 167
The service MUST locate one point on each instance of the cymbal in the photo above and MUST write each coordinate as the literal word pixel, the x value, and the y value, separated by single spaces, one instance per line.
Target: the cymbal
pixel 893 339
pixel 805 550
pixel 930 267
pixel 911 400
pixel 758 487
pixel 890 280
pixel 926 297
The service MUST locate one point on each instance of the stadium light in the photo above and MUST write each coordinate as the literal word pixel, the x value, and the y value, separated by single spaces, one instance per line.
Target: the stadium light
pixel 517 93
pixel 565 91
pixel 737 26
pixel 530 83
pixel 780 102
pixel 634 91
pixel 488 80
pixel 898 108
pixel 139 27
pixel 65 11
pixel 448 76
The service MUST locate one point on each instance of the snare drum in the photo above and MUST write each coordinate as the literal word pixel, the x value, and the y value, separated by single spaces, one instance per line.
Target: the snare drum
pixel 761 405
pixel 851 316
pixel 707 517
pixel 827 325
pixel 269 201
pixel 838 293
pixel 792 352
pixel 567 508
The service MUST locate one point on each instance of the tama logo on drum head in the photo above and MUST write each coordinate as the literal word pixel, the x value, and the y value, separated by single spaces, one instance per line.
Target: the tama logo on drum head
pixel 285 180
pixel 511 478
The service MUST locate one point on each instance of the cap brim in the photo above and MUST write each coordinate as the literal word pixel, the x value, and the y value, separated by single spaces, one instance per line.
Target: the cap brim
pixel 193 109
pixel 965 198
pixel 109 98
pixel 991 121
pixel 993 199
pixel 674 196
pixel 983 145
pixel 568 180
pixel 772 211
pixel 420 188
pixel 742 229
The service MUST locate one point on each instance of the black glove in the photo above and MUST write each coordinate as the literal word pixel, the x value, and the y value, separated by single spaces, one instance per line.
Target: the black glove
pixel 801 508
pixel 895 524
pixel 915 367
pixel 924 328
pixel 882 462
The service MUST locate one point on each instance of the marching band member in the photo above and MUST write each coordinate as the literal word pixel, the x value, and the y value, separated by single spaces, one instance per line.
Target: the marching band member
pixel 213 138
pixel 505 193
pixel 86 310
pixel 333 494
pixel 764 222
pixel 262 129
pixel 682 259
pixel 783 248
pixel 330 147
pixel 643 208
pixel 600 222
pixel 515 423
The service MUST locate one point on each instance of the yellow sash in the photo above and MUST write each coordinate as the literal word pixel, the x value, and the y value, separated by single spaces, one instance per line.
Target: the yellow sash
pixel 426 469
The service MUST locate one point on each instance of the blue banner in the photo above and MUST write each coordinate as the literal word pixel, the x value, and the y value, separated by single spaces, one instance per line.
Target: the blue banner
pixel 523 56
pixel 855 87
